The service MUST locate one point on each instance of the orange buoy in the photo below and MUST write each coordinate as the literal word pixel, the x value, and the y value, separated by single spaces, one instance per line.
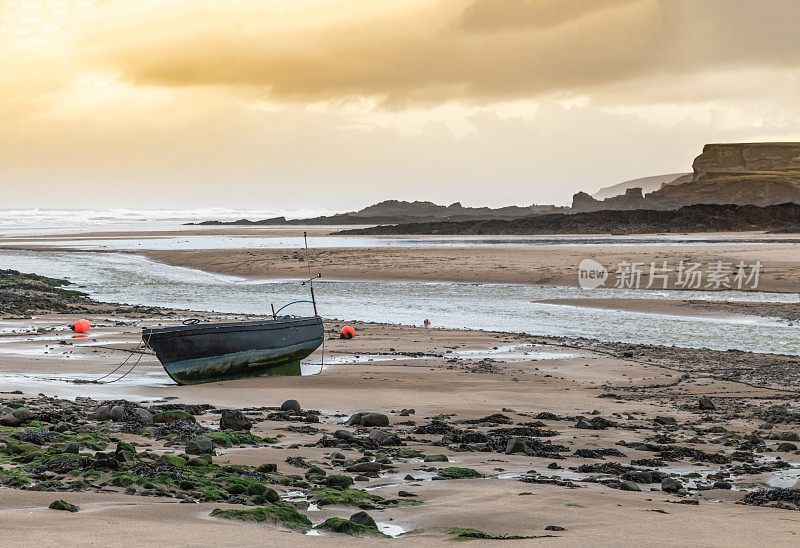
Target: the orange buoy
pixel 347 332
pixel 81 326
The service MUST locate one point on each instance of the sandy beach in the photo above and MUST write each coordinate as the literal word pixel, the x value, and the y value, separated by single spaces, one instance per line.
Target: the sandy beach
pixel 542 265
pixel 493 381
pixel 487 434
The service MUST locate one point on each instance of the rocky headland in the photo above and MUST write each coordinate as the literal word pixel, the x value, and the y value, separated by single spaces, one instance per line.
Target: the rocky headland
pixel 759 174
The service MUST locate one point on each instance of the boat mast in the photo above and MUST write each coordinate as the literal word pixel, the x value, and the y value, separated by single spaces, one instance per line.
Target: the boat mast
pixel 310 279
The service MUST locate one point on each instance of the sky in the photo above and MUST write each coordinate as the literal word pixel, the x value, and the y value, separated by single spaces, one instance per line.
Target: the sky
pixel 341 103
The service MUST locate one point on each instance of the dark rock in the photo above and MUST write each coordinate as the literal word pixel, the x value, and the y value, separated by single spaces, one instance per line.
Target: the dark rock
pixel 102 413
pixel 117 413
pixel 379 436
pixel 176 415
pixel 63 505
pixel 517 445
pixel 406 494
pixel 233 419
pixel 71 447
pixel 345 435
pixel 706 404
pixel 10 420
pixel 787 446
pixel 338 481
pixel 722 485
pixel 628 486
pixel 789 436
pixel 362 518
pixel 365 467
pixel 666 421
pixel 671 485
pixel 200 445
pixel 595 423
pixel 368 420
pixel 142 415
pixel 554 528
pixel 291 405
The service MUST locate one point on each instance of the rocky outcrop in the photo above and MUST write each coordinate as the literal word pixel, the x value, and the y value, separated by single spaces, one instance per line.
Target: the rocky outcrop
pixel 632 199
pixel 647 184
pixel 741 157
pixel 694 218
pixel 396 211
pixel 760 174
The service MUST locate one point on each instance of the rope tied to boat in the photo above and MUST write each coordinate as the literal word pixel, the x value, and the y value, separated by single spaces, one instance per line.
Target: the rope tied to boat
pixel 138 350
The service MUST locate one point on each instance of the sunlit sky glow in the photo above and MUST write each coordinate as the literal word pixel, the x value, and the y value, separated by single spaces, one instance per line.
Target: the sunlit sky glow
pixel 341 103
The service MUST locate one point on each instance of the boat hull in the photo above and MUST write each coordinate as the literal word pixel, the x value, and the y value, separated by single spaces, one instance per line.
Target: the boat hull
pixel 193 354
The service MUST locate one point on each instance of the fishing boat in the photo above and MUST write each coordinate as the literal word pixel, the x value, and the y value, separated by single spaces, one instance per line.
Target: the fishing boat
pixel 196 352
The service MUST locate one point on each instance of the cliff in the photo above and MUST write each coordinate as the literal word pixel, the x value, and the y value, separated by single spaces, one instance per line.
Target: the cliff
pixel 647 184
pixel 744 157
pixel 760 174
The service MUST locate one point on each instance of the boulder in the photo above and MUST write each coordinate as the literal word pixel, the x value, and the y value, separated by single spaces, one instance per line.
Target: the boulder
pixel 517 445
pixel 143 415
pixel 291 405
pixel 71 447
pixel 789 436
pixel 628 486
pixel 345 435
pixel 102 413
pixel 233 419
pixel 706 404
pixel 379 436
pixel 10 420
pixel 666 421
pixel 200 445
pixel 671 485
pixel 368 420
pixel 117 413
pixel 362 467
pixel 362 518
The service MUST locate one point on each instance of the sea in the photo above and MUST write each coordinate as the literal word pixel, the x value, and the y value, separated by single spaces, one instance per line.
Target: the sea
pixel 105 268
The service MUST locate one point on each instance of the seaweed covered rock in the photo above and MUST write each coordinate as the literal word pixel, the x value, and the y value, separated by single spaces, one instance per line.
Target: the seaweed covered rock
pixel 173 416
pixel 362 518
pixel 347 527
pixel 200 445
pixel 63 505
pixel 277 515
pixel 457 472
pixel 787 499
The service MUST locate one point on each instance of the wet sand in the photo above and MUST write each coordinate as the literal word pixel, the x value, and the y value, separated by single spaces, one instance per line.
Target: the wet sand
pixel 465 375
pixel 534 264
pixel 542 265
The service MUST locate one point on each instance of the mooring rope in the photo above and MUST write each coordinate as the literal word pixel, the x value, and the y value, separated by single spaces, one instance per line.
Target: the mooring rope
pixel 121 365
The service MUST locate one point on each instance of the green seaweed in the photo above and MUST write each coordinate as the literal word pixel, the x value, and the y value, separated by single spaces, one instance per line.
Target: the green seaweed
pixel 325 496
pixel 457 472
pixel 278 515
pixel 63 505
pixel 347 527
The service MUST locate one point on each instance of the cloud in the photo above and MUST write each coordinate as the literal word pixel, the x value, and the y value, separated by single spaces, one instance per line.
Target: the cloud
pixel 476 51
